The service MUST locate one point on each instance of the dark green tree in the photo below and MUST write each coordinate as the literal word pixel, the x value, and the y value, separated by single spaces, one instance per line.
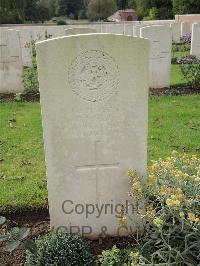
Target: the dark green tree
pixel 61 7
pixel 186 6
pixel 101 9
pixel 122 4
pixel 74 7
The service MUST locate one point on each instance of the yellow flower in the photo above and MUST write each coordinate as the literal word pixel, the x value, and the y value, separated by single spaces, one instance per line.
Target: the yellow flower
pixel 131 172
pixel 174 152
pixel 182 215
pixel 193 218
pixel 151 179
pixel 197 179
pixel 122 220
pixel 180 175
pixel 194 158
pixel 137 187
pixel 180 196
pixel 150 211
pixel 165 190
pixel 134 254
pixel 158 222
pixel 172 202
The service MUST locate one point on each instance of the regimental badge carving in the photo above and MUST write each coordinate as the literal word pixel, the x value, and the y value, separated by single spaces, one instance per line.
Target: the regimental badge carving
pixel 94 75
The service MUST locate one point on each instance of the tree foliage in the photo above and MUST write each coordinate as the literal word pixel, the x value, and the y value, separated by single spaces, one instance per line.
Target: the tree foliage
pixel 19 11
pixel 101 9
pixel 186 6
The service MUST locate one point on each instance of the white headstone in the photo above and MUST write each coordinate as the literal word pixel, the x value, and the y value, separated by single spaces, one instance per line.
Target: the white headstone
pixel 94 97
pixel 115 28
pixel 195 42
pixel 26 47
pixel 11 68
pixel 136 30
pixel 128 29
pixel 185 28
pixel 176 32
pixel 38 33
pixel 160 54
pixel 80 30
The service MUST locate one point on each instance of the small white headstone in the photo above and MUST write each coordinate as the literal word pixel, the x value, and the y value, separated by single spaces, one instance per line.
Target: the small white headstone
pixel 176 32
pixel 136 30
pixel 115 28
pixel 11 67
pixel 94 97
pixel 26 46
pixel 80 30
pixel 160 54
pixel 185 28
pixel 195 42
pixel 128 29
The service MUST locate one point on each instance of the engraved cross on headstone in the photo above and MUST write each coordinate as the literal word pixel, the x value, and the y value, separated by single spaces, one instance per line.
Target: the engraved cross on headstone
pixel 97 165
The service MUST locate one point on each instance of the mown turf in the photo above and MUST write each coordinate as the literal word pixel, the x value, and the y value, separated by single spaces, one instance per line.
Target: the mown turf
pixel 174 123
pixel 177 77
pixel 22 170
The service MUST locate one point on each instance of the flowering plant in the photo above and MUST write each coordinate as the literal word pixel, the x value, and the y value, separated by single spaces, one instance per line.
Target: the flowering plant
pixel 191 70
pixel 172 210
pixel 186 38
pixel 186 59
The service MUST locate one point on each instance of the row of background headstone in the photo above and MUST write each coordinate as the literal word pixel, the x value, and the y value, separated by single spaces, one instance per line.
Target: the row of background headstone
pixel 28 34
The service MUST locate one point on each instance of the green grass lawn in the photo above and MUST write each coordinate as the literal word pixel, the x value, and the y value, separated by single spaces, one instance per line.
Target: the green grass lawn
pixel 174 123
pixel 177 77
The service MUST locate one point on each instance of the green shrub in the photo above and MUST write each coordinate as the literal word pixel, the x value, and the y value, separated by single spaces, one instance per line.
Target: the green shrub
pixel 61 22
pixel 117 257
pixel 172 211
pixel 191 72
pixel 180 47
pixel 30 79
pixel 60 249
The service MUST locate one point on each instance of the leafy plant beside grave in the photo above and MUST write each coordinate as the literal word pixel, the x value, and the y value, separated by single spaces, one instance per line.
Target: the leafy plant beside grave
pixel 13 238
pixel 30 79
pixel 186 39
pixel 118 257
pixel 60 248
pixel 171 214
pixel 190 68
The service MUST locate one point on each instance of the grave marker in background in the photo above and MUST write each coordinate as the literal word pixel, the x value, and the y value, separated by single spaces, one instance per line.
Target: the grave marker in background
pixel 160 54
pixel 195 41
pixel 185 28
pixel 176 32
pixel 11 67
pixel 80 30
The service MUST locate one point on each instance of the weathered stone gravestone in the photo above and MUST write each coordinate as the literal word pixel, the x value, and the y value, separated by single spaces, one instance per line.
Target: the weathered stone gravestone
pixel 176 32
pixel 160 54
pixel 80 30
pixel 11 68
pixel 195 42
pixel 185 28
pixel 94 97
